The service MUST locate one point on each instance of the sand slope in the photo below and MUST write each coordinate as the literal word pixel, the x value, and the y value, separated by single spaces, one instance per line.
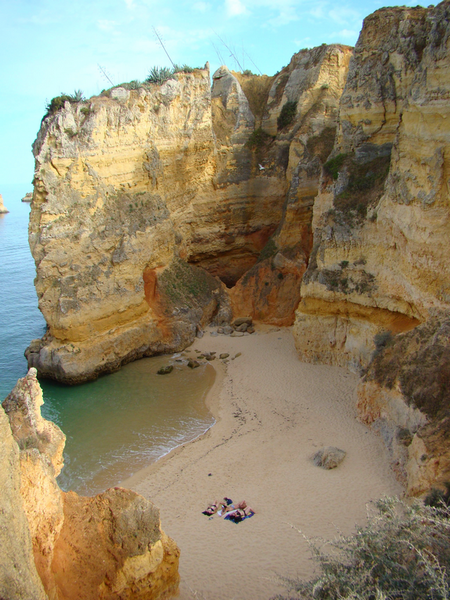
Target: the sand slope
pixel 273 413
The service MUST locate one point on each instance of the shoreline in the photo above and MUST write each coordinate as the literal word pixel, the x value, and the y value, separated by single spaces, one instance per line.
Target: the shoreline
pixel 271 413
pixel 212 403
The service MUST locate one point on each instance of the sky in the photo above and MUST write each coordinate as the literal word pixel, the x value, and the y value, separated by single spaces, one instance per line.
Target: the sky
pixel 49 47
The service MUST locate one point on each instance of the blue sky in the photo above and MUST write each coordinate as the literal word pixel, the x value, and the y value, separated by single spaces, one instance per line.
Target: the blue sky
pixel 54 46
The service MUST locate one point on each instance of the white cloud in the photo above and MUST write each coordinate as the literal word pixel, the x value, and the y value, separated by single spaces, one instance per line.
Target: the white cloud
pixel 201 6
pixel 285 16
pixel 303 43
pixel 318 12
pixel 346 34
pixel 106 25
pixel 344 16
pixel 129 3
pixel 235 8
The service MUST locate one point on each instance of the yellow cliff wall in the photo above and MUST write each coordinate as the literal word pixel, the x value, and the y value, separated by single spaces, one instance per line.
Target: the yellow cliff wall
pixel 105 547
pixel 380 258
pixel 176 187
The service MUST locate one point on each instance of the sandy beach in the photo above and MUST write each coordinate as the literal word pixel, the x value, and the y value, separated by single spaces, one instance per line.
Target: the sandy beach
pixel 272 414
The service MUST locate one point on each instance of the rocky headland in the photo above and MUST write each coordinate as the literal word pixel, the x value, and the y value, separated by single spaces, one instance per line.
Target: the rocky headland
pixel 3 208
pixel 28 197
pixel 62 546
pixel 317 198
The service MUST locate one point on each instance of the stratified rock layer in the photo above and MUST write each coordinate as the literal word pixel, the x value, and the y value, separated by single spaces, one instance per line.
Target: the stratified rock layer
pixel 376 295
pixel 19 579
pixel 149 202
pixel 110 546
pixel 380 258
pixel 405 395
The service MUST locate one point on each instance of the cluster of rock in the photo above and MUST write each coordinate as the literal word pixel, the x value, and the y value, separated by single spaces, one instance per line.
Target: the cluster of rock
pixel 60 546
pixel 317 197
pixel 201 358
pixel 239 327
pixel 28 197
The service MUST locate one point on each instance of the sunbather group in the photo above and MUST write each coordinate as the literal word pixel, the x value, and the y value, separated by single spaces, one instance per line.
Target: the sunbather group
pixel 232 512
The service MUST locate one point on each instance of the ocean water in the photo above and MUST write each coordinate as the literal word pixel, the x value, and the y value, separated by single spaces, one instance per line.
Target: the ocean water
pixel 116 425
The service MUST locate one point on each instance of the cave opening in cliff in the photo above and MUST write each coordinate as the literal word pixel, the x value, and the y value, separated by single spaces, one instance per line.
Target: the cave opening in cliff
pixel 229 267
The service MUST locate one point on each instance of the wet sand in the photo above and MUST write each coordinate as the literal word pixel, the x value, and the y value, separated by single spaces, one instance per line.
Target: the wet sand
pixel 272 414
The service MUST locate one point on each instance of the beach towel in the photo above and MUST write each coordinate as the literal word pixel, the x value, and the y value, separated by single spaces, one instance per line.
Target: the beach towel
pixel 236 516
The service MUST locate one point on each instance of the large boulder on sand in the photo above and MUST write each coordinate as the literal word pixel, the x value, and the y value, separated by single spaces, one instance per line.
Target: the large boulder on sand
pixel 329 458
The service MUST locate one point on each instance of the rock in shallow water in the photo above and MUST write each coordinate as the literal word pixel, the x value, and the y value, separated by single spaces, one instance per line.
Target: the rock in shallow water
pixel 165 370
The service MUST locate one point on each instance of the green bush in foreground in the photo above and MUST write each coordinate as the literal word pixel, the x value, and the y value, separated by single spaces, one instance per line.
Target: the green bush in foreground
pixel 403 554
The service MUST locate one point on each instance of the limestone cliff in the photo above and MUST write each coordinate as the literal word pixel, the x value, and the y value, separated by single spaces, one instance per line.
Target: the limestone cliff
pixel 108 547
pixel 376 296
pixel 380 258
pixel 310 86
pixel 148 204
pixel 405 395
pixel 19 579
pixel 320 194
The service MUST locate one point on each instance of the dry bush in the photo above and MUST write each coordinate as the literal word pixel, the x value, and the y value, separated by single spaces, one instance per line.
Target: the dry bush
pixel 403 553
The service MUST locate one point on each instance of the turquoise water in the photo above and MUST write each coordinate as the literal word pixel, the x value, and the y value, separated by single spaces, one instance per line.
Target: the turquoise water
pixel 116 425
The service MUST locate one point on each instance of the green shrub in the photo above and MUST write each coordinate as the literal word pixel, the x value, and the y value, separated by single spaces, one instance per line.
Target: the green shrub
pixel 322 144
pixel 403 553
pixel 130 85
pixel 58 102
pixel 269 250
pixel 287 115
pixel 437 498
pixel 160 75
pixel 70 132
pixel 247 72
pixel 334 165
pixel 183 69
pixel 258 139
pixel 185 285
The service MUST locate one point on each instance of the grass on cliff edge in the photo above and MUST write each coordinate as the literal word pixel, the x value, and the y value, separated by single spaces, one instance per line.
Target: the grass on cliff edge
pixel 58 102
pixel 403 553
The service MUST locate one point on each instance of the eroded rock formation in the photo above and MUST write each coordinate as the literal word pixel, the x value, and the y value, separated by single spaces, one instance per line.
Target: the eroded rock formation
pixel 380 259
pixel 148 204
pixel 376 296
pixel 109 546
pixel 3 208
pixel 158 210
pixel 19 579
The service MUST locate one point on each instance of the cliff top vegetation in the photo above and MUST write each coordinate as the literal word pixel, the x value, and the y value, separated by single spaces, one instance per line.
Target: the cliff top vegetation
pixel 402 553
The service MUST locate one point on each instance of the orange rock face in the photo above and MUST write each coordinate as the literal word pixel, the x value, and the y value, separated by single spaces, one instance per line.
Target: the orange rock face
pixel 109 546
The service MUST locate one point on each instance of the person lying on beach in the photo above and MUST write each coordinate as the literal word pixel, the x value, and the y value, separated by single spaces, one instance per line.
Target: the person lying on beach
pixel 239 515
pixel 212 509
pixel 219 507
pixel 225 506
